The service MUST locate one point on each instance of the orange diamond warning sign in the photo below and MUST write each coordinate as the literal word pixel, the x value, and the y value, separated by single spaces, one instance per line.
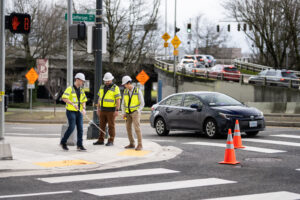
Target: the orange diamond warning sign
pixel 31 76
pixel 142 77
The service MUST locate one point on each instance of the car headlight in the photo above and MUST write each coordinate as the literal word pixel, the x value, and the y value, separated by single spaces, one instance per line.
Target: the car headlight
pixel 229 116
pixel 260 114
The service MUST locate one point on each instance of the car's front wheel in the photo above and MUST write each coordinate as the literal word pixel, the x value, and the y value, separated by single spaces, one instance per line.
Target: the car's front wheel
pixel 252 133
pixel 160 127
pixel 211 128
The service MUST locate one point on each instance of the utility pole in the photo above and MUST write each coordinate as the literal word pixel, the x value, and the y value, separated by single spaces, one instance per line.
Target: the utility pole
pixel 175 70
pixel 5 151
pixel 93 132
pixel 69 46
pixel 166 22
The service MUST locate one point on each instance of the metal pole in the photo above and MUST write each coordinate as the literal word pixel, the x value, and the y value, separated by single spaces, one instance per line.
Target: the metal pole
pixel 69 47
pixel 5 150
pixel 166 22
pixel 2 73
pixel 93 132
pixel 175 70
pixel 30 100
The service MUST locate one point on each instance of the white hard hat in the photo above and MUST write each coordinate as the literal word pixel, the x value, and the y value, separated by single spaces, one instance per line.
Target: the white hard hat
pixel 126 79
pixel 80 76
pixel 108 76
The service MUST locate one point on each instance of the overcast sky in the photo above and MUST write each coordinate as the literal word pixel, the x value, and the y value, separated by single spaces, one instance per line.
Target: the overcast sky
pixel 212 10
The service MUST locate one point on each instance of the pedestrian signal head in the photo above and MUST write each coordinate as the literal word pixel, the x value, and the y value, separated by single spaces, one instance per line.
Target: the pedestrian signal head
pixel 126 79
pixel 108 76
pixel 18 22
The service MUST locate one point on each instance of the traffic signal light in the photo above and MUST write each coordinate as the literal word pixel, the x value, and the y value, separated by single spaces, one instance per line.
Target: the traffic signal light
pixel 228 27
pixel 239 27
pixel 245 27
pixel 18 23
pixel 177 29
pixel 218 28
pixel 189 27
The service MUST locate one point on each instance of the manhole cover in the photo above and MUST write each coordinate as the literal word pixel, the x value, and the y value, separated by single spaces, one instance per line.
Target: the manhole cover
pixel 264 159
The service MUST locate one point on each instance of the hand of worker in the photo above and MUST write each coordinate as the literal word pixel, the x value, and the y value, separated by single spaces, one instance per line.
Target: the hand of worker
pixel 76 107
pixel 83 112
pixel 116 113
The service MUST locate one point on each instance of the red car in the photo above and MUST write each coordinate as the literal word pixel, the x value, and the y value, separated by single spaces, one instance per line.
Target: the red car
pixel 229 72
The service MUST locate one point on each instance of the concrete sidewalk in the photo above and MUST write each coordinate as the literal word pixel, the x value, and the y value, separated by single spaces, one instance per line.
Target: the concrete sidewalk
pixel 40 156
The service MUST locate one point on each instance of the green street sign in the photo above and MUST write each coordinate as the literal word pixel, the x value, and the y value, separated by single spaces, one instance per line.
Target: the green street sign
pixel 82 17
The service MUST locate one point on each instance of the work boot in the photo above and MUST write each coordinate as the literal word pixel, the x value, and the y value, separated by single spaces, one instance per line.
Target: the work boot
pixel 81 148
pixel 98 143
pixel 64 147
pixel 109 144
pixel 139 147
pixel 130 146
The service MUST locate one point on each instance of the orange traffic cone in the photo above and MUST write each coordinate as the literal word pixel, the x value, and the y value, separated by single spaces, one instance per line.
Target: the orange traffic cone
pixel 237 139
pixel 229 157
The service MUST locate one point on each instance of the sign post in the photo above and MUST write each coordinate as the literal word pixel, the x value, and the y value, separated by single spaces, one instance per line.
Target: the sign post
pixel 31 76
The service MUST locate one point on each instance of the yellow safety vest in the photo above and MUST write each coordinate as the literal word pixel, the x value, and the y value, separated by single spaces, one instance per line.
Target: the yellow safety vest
pixel 131 104
pixel 112 94
pixel 71 95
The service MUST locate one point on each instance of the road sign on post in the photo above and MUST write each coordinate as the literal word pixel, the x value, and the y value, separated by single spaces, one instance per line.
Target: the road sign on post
pixel 176 42
pixel 166 36
pixel 82 17
pixel 32 76
pixel 142 77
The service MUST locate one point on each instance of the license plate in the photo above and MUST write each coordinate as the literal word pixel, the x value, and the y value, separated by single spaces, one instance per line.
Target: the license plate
pixel 253 124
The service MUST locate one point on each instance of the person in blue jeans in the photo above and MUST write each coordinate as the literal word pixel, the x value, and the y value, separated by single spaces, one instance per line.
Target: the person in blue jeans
pixel 75 100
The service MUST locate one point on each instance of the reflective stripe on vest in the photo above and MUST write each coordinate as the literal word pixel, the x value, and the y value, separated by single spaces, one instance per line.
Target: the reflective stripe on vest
pixel 109 100
pixel 131 104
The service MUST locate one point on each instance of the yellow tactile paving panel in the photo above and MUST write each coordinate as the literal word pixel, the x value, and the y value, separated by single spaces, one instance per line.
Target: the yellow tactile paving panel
pixel 64 163
pixel 132 152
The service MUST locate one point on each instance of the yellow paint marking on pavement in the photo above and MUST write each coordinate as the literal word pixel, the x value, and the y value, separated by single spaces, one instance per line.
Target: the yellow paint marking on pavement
pixel 132 152
pixel 64 163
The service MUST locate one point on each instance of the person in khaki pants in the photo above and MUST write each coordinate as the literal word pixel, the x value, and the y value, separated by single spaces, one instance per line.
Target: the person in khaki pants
pixel 132 104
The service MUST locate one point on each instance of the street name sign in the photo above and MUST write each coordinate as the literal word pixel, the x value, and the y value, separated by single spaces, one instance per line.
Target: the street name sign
pixel 82 17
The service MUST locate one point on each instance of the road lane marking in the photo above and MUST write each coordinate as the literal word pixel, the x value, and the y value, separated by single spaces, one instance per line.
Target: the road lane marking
pixel 156 187
pixel 247 148
pixel 294 144
pixel 111 175
pixel 64 163
pixel 30 134
pixel 34 194
pixel 298 169
pixel 270 195
pixel 161 140
pixel 287 136
pixel 22 128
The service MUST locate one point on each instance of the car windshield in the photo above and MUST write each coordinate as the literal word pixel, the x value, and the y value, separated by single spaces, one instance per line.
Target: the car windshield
pixel 289 75
pixel 217 99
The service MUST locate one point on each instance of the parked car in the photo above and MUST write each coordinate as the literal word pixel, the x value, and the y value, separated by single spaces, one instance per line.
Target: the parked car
pixel 202 59
pixel 212 113
pixel 275 78
pixel 184 62
pixel 211 60
pixel 187 68
pixel 229 72
pixel 199 69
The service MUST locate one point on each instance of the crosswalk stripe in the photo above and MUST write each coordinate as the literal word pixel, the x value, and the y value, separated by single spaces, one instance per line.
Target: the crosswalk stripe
pixel 156 187
pixel 287 136
pixel 34 194
pixel 30 134
pixel 247 148
pixel 298 169
pixel 270 196
pixel 99 176
pixel 294 144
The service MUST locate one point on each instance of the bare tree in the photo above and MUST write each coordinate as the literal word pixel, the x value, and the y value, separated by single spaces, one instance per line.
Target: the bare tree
pixel 55 85
pixel 275 27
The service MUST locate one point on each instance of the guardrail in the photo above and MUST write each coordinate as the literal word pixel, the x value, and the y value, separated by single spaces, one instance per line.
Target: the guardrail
pixel 241 78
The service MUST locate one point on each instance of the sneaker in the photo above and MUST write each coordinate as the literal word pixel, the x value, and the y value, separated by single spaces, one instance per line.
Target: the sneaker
pixel 98 143
pixel 130 146
pixel 64 147
pixel 81 148
pixel 109 144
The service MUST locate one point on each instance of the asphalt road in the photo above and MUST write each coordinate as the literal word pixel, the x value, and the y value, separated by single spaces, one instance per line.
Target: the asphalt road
pixel 267 171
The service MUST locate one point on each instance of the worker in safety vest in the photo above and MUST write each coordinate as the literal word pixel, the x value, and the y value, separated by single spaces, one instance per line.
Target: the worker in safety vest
pixel 75 100
pixel 107 108
pixel 132 105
